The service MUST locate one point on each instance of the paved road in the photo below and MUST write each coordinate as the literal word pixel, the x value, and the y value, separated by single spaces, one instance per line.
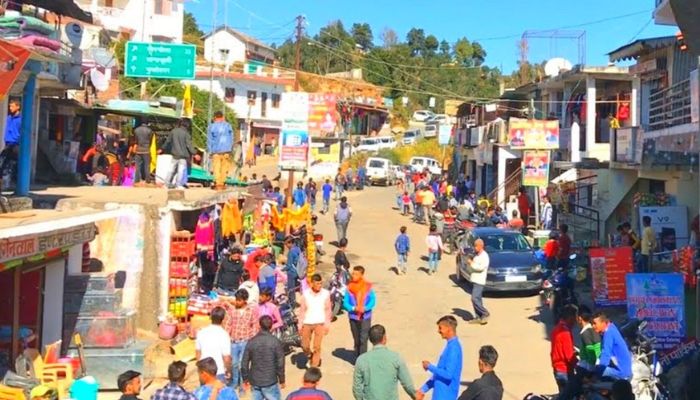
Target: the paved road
pixel 410 305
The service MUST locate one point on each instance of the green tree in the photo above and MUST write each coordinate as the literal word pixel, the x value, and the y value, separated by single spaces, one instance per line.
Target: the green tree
pixel 444 48
pixel 431 45
pixel 191 33
pixel 362 35
pixel 415 38
pixel 463 52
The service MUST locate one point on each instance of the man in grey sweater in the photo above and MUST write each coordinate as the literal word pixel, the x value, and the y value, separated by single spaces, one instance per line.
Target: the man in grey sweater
pixel 262 367
pixel 179 144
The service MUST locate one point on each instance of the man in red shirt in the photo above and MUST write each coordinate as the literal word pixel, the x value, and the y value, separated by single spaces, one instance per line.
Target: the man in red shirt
pixel 524 205
pixel 563 354
pixel 564 247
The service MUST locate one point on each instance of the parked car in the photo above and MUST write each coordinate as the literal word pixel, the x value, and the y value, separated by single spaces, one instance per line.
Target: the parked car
pixel 411 137
pixel 418 164
pixel 442 118
pixel 371 144
pixel 422 115
pixel 380 170
pixel 513 265
pixel 430 131
pixel 386 142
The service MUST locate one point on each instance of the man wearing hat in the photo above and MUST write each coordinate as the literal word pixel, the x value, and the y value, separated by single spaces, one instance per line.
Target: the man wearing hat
pixel 42 392
pixel 129 383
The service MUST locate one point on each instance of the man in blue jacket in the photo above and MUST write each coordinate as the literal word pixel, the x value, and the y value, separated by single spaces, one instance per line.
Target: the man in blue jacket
pixel 13 129
pixel 448 372
pixel 219 146
pixel 615 359
pixel 359 302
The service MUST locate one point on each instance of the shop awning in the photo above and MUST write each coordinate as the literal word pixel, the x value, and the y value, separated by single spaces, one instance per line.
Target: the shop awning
pixel 137 108
pixel 570 175
pixel 634 49
pixel 267 124
pixel 12 60
pixel 61 7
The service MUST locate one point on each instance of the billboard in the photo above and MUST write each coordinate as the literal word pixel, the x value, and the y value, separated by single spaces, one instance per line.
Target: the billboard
pixel 670 223
pixel 444 134
pixel 533 134
pixel 294 135
pixel 536 168
pixel 609 266
pixel 323 116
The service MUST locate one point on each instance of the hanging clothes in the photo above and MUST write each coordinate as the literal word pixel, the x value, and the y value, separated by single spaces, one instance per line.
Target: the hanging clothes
pixel 204 234
pixel 623 111
pixel 231 221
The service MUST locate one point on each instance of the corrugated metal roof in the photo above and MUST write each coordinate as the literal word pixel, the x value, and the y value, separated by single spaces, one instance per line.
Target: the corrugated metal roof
pixel 636 48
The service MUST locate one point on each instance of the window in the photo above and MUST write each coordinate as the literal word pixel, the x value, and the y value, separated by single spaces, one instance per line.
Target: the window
pixel 252 95
pixel 275 101
pixel 263 104
pixel 229 94
pixel 161 7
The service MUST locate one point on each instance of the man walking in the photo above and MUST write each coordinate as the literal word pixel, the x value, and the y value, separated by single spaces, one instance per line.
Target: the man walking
pixel 293 257
pixel 219 146
pixel 648 246
pixel 144 137
pixel 428 200
pixel 447 373
pixel 339 184
pixel 379 370
pixel 262 367
pixel 488 387
pixel 310 191
pixel 479 266
pixel 314 319
pixel 563 354
pixel 242 325
pixel 308 391
pixel 179 143
pixel 299 196
pixel 326 189
pixel 342 218
pixel 213 341
pixel 547 211
pixel 359 301
pixel 564 247
pixel 13 129
pixel 174 390
pixel 402 245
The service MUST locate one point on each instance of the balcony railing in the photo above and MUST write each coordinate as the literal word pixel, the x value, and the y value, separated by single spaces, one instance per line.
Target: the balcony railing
pixel 670 107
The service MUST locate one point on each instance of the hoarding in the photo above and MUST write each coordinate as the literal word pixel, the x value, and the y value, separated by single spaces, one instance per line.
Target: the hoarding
pixel 533 134
pixel 609 266
pixel 536 168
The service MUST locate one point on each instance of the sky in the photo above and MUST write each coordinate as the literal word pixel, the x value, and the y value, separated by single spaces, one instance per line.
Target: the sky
pixel 496 24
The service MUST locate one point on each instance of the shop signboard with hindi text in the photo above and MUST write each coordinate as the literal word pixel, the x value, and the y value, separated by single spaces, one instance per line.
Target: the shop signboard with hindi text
pixel 533 134
pixel 536 168
pixel 609 266
pixel 659 300
pixel 160 60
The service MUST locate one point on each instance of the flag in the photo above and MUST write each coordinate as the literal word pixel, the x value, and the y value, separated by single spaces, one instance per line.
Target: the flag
pixel 188 104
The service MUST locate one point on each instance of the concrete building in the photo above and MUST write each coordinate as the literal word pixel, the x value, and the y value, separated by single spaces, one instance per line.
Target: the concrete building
pixel 140 20
pixel 227 46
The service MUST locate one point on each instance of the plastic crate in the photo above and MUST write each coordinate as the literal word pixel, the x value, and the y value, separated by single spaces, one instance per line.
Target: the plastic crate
pixel 182 248
pixel 89 283
pixel 107 330
pixel 179 269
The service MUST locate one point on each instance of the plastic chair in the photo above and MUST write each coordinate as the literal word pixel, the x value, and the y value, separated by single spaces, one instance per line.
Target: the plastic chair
pixel 54 375
pixel 10 393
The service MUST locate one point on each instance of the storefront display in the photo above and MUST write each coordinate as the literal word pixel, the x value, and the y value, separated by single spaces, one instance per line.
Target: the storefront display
pixel 608 268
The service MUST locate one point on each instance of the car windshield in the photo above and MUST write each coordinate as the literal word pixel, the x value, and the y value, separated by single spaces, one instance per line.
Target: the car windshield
pixel 496 243
pixel 409 134
pixel 376 164
pixel 417 161
pixel 386 140
pixel 430 128
pixel 369 141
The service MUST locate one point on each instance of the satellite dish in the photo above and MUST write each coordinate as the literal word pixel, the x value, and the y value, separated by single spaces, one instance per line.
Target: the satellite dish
pixel 100 80
pixel 554 66
pixel 74 33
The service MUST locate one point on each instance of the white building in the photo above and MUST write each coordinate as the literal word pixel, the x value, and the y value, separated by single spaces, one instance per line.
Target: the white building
pixel 253 97
pixel 228 46
pixel 141 20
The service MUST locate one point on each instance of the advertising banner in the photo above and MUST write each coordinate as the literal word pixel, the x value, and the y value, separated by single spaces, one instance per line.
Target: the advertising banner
pixel 608 269
pixel 536 168
pixel 658 299
pixel 533 134
pixel 323 115
pixel 444 134
pixel 670 223
pixel 294 136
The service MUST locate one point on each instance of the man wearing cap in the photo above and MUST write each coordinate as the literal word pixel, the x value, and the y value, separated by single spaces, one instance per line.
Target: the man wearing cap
pixel 129 383
pixel 42 392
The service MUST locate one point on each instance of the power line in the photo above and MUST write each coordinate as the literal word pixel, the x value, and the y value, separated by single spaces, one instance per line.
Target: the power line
pixel 639 32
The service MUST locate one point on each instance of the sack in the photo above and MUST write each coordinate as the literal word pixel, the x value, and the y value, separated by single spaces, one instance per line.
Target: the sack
pixel 302 265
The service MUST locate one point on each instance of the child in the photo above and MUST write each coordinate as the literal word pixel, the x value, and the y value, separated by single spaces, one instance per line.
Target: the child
pixel 434 242
pixel 98 178
pixel 406 202
pixel 403 247
pixel 327 189
pixel 129 172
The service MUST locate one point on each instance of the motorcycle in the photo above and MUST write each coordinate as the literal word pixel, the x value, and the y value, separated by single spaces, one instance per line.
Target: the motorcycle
pixel 558 289
pixel 338 287
pixel 288 334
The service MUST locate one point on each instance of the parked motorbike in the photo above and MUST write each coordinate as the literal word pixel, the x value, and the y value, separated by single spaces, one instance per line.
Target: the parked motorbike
pixel 338 286
pixel 558 290
pixel 289 333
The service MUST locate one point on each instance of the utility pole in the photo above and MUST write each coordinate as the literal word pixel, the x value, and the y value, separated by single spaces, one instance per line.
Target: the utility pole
pixel 297 65
pixel 211 64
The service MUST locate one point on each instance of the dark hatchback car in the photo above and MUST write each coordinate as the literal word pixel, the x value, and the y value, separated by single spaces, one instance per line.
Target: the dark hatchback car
pixel 512 262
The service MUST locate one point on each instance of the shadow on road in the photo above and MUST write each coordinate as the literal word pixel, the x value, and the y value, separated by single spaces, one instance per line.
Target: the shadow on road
pixel 464 314
pixel 345 355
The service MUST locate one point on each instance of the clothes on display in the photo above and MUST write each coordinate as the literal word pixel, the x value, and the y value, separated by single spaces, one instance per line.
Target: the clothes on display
pixel 231 221
pixel 204 234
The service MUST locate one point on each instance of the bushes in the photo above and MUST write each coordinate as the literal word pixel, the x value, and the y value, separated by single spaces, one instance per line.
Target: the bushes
pixel 402 154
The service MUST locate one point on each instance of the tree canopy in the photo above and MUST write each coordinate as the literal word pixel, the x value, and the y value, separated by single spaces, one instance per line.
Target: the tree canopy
pixel 420 67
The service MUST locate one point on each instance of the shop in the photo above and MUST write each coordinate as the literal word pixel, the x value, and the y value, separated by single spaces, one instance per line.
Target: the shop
pixel 34 260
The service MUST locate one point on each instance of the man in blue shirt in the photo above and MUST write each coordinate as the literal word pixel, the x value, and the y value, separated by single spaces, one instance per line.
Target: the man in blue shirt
pixel 402 245
pixel 327 189
pixel 293 254
pixel 447 373
pixel 615 360
pixel 299 195
pixel 220 146
pixel 13 127
pixel 212 388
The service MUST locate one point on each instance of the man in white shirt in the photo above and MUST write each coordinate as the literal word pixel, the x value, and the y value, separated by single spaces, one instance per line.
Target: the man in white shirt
pixel 479 266
pixel 213 341
pixel 314 318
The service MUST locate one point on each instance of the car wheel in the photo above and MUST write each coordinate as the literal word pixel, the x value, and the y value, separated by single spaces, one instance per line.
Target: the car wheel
pixel 458 271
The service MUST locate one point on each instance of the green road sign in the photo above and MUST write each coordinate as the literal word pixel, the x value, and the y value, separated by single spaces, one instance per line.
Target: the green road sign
pixel 160 60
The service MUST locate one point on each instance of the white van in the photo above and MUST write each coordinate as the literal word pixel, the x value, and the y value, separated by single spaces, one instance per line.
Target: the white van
pixel 386 142
pixel 371 144
pixel 418 164
pixel 380 170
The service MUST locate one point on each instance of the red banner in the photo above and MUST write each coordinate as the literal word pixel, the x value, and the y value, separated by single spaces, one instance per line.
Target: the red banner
pixel 323 115
pixel 609 266
pixel 12 60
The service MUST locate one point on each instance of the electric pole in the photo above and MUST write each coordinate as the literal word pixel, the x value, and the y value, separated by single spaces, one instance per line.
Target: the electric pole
pixel 211 65
pixel 297 55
